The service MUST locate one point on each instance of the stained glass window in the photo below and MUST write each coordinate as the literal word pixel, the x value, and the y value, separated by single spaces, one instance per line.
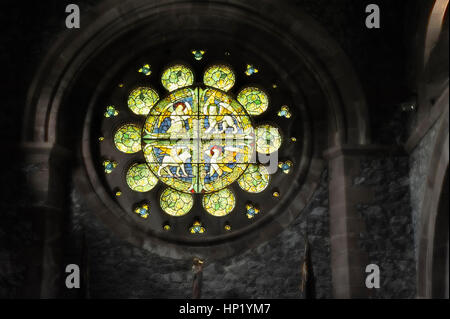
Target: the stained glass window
pixel 197 228
pixel 196 139
pixel 220 77
pixel 142 99
pixel 251 211
pixel 254 100
pixel 285 166
pixel 140 178
pixel 176 203
pixel 177 76
pixel 199 140
pixel 284 112
pixel 143 210
pixel 220 203
pixel 109 166
pixel 255 179
pixel 128 138
pixel 268 139
pixel 250 70
pixel 111 111
pixel 198 54
pixel 146 70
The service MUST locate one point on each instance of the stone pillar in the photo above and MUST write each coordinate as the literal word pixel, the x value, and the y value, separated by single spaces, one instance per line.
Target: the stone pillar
pixel 348 258
pixel 44 168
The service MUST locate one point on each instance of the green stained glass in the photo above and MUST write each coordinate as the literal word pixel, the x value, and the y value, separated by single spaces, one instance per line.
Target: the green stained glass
pixel 109 166
pixel 220 77
pixel 255 179
pixel 220 203
pixel 128 139
pixel 140 178
pixel 268 139
pixel 198 54
pixel 197 228
pixel 285 166
pixel 176 203
pixel 177 76
pixel 142 99
pixel 198 140
pixel 143 210
pixel 146 70
pixel 284 112
pixel 111 111
pixel 250 70
pixel 251 211
pixel 254 100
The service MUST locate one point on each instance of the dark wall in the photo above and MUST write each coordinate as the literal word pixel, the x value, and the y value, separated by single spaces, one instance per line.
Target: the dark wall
pixel 271 270
pixel 389 236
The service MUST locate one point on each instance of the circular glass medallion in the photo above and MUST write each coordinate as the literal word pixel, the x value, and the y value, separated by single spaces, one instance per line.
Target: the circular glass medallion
pixel 198 140
pixel 176 203
pixel 255 179
pixel 128 138
pixel 220 203
pixel 140 178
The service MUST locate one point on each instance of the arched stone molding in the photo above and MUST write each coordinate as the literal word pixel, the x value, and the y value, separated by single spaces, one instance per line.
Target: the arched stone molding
pixel 432 267
pixel 80 63
pixel 75 48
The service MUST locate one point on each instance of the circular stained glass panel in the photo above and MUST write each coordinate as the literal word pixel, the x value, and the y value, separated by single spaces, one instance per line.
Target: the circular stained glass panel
pixel 140 178
pixel 255 179
pixel 176 77
pixel 142 99
pixel 220 203
pixel 198 140
pixel 176 203
pixel 254 100
pixel 128 138
pixel 220 77
pixel 268 139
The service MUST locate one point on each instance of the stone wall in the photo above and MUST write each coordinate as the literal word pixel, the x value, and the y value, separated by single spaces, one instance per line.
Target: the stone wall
pixel 16 228
pixel 389 236
pixel 271 270
pixel 419 163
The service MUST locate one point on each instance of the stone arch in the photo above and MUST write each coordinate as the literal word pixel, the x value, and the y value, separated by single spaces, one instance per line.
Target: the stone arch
pixel 74 71
pixel 432 269
pixel 74 49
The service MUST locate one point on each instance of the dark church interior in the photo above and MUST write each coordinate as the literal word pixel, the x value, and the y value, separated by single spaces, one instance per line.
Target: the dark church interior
pixel 224 149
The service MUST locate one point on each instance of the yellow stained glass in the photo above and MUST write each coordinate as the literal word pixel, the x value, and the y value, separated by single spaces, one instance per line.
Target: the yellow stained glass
pixel 284 112
pixel 285 166
pixel 176 203
pixel 220 77
pixel 140 178
pixel 254 100
pixel 250 70
pixel 268 139
pixel 197 228
pixel 177 76
pixel 220 203
pixel 255 179
pixel 128 138
pixel 142 99
pixel 198 140
pixel 143 210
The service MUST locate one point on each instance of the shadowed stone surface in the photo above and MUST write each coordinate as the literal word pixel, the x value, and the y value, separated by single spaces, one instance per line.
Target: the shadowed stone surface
pixel 117 269
pixel 389 237
pixel 419 163
pixel 271 270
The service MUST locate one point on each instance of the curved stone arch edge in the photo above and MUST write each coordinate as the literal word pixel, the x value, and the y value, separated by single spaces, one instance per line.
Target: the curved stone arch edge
pixel 45 92
pixel 435 182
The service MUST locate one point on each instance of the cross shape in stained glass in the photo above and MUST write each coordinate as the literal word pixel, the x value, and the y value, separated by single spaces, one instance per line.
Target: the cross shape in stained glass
pixel 198 140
